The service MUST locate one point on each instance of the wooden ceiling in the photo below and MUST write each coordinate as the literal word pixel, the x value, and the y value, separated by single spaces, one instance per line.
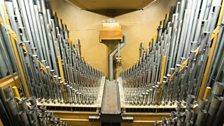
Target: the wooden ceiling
pixel 111 7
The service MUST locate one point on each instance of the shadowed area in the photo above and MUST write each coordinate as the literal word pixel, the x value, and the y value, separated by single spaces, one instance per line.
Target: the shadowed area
pixel 111 8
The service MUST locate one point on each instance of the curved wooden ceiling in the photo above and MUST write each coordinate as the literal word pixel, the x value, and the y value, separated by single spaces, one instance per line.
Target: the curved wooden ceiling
pixel 111 7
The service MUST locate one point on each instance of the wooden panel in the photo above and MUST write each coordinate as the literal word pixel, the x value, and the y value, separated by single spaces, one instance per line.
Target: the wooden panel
pixel 82 118
pixel 77 118
pixel 76 123
pixel 146 123
pixel 144 119
pixel 111 31
pixel 10 80
pixel 110 35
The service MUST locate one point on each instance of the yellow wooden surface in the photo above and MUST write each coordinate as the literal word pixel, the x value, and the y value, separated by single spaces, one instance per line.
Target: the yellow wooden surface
pixel 68 105
pixel 139 123
pixel 144 119
pixel 1 123
pixel 10 80
pixel 150 106
pixel 111 31
pixel 110 35
pixel 77 118
pixel 16 91
pixel 82 118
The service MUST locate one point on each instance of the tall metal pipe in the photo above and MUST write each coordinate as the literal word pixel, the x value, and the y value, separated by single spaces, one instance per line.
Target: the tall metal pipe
pixel 112 55
pixel 141 50
pixel 219 115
